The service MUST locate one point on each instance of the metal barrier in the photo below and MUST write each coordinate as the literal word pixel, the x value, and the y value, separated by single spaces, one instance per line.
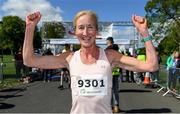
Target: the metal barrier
pixel 167 78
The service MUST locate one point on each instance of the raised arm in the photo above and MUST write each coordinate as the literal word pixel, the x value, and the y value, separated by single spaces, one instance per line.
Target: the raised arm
pixel 130 63
pixel 31 60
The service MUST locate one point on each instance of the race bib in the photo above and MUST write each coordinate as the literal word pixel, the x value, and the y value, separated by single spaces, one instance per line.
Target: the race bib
pixel 92 85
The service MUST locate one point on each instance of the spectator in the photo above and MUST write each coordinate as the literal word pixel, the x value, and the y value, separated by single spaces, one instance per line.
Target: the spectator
pixel 141 57
pixel 20 68
pixel 115 76
pixel 65 72
pixel 172 62
pixel 47 72
pixel 155 75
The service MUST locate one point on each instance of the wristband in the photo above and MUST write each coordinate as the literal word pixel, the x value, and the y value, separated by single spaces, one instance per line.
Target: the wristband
pixel 148 38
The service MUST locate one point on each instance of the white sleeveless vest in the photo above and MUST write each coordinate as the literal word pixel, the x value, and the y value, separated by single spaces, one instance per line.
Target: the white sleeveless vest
pixel 91 85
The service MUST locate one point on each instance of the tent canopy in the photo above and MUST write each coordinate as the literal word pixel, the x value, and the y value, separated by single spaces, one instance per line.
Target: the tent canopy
pixel 76 41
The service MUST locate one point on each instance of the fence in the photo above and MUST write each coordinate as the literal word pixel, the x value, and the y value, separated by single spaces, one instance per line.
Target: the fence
pixel 17 70
pixel 169 80
pixel 7 70
pixel 1 72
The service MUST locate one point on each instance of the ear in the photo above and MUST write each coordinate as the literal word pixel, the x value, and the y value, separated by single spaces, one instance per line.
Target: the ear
pixel 98 35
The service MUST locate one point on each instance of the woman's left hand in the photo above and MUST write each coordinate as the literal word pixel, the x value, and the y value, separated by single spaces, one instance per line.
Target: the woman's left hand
pixel 141 25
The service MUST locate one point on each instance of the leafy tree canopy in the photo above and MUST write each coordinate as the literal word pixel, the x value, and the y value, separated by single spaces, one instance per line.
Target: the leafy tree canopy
pixel 163 17
pixel 12 29
pixel 53 30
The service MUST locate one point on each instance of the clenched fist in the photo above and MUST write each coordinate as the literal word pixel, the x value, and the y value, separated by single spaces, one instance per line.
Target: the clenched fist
pixel 141 25
pixel 33 19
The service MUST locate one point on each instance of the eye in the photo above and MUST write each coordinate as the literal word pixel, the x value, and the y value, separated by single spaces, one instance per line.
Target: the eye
pixel 90 27
pixel 81 27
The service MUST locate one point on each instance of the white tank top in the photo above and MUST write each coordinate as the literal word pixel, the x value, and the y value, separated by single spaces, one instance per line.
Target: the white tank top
pixel 91 85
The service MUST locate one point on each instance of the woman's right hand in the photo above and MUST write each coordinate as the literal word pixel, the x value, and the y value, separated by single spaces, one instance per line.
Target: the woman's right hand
pixel 33 19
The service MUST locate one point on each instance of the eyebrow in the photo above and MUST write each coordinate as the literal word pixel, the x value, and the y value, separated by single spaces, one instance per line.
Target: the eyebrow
pixel 88 25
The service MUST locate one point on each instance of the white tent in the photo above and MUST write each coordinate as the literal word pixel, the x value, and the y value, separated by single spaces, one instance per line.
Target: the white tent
pixel 76 41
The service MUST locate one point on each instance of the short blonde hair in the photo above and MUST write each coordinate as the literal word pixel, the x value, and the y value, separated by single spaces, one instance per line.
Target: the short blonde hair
pixel 175 54
pixel 86 12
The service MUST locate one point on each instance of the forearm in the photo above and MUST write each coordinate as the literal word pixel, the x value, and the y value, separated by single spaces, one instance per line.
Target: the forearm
pixel 28 50
pixel 151 56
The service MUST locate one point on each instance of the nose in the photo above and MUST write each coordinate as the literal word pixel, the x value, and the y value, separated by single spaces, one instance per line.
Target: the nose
pixel 85 31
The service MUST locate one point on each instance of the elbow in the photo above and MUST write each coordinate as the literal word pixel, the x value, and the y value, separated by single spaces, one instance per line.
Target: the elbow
pixel 27 61
pixel 154 68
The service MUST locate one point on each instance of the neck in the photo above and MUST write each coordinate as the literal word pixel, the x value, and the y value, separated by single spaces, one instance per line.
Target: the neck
pixel 89 55
pixel 89 50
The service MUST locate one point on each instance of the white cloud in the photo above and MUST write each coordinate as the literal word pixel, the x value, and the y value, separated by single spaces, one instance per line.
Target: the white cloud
pixel 22 8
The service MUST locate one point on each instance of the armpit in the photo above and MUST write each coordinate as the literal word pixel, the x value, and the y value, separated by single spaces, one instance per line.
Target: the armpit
pixel 69 57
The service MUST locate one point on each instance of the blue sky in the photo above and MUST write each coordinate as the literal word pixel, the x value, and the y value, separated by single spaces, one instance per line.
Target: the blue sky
pixel 64 10
pixel 107 10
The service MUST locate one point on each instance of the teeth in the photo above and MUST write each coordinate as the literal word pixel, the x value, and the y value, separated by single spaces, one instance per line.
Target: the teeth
pixel 86 39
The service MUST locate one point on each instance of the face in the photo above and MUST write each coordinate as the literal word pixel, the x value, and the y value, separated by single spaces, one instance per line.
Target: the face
pixel 176 55
pixel 86 31
pixel 108 43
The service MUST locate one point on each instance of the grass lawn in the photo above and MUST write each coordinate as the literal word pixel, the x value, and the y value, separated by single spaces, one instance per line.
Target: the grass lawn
pixel 9 83
pixel 9 66
pixel 9 73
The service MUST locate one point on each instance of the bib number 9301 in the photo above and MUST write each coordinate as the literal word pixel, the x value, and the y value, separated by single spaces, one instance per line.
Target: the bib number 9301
pixel 92 85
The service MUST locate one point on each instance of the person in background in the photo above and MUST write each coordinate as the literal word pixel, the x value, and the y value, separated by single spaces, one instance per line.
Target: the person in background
pixel 178 67
pixel 172 68
pixel 129 74
pixel 155 75
pixel 142 57
pixel 64 71
pixel 115 76
pixel 20 68
pixel 169 62
pixel 47 72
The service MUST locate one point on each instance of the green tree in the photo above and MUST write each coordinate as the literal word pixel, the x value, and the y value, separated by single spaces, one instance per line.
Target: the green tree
pixel 163 18
pixel 170 42
pixel 12 33
pixel 53 30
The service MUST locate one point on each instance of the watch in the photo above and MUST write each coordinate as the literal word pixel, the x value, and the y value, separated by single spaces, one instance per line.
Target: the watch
pixel 149 37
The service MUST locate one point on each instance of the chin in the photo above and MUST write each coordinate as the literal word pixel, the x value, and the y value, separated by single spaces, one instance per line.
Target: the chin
pixel 87 45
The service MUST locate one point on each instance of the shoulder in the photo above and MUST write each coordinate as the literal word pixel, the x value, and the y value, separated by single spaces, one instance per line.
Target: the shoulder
pixel 69 56
pixel 108 51
pixel 112 55
pixel 66 55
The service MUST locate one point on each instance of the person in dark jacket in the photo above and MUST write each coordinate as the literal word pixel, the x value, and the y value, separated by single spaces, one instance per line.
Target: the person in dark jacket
pixel 115 76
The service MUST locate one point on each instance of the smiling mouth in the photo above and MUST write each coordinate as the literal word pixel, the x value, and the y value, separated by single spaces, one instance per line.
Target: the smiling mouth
pixel 86 39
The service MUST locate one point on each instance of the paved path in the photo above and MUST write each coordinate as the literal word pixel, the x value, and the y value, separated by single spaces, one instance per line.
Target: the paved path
pixel 40 97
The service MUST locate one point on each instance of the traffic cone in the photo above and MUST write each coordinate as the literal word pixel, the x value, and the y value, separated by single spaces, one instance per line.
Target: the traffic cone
pixel 146 78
